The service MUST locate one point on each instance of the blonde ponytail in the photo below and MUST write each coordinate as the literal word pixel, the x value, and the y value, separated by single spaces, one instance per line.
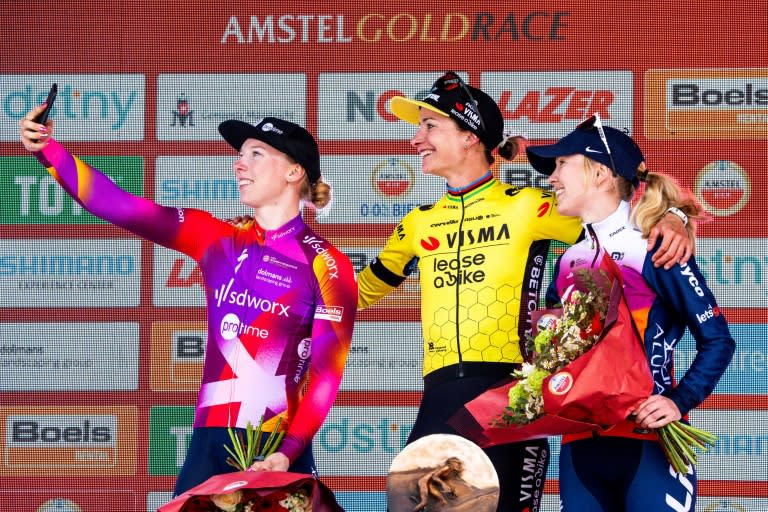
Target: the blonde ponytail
pixel 661 192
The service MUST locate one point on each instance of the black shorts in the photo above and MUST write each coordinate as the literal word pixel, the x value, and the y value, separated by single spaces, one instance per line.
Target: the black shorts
pixel 521 467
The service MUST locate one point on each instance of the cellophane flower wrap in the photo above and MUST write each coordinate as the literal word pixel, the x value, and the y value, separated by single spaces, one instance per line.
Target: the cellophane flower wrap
pixel 252 491
pixel 588 372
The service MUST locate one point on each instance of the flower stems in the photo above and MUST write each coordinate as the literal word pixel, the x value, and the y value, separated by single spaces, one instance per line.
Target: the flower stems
pixel 680 442
pixel 245 452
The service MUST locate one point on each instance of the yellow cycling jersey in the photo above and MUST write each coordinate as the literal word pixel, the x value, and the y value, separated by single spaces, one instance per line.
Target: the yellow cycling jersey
pixel 481 253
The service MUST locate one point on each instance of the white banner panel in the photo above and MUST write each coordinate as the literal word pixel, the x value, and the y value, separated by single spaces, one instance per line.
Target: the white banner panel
pixel 69 356
pixel 69 273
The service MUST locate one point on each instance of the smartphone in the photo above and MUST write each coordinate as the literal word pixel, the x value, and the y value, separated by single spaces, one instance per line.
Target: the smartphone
pixel 42 118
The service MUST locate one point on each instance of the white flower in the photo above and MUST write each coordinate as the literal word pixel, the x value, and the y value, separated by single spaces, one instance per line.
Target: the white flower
pixel 527 369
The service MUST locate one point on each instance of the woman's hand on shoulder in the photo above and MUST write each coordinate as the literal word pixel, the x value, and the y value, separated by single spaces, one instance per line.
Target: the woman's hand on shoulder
pixel 676 244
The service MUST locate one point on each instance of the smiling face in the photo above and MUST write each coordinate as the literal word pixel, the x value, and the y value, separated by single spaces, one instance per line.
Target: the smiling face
pixel 573 185
pixel 440 144
pixel 261 173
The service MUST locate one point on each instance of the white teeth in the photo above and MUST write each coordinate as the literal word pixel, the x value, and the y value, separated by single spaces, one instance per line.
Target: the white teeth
pixel 423 154
pixel 244 182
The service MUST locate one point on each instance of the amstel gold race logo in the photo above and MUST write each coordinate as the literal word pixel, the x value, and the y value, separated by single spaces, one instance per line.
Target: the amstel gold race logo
pixel 723 187
pixel 392 177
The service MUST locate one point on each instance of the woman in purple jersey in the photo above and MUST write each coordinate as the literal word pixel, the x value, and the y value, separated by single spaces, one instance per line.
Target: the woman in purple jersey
pixel 281 301
pixel 595 171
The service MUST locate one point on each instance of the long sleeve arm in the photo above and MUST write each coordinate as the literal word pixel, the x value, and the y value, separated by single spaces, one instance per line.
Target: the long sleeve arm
pixel 331 338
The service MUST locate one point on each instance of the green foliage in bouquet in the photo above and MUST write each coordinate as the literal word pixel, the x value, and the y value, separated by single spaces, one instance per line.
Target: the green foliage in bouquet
pixel 560 341
pixel 245 452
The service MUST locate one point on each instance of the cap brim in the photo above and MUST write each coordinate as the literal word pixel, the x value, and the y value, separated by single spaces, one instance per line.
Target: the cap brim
pixel 408 109
pixel 542 158
pixel 236 132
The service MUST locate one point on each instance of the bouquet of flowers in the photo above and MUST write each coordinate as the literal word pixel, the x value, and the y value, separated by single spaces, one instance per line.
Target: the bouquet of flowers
pixel 256 491
pixel 252 491
pixel 588 372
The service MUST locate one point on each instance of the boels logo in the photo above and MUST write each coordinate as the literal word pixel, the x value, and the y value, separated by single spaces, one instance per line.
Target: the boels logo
pixel 706 104
pixel 78 441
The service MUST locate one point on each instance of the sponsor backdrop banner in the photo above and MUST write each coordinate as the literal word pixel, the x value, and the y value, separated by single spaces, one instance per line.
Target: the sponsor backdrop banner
pixel 102 335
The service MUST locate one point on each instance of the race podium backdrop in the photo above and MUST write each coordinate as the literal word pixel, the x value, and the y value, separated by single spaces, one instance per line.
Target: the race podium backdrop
pixel 102 335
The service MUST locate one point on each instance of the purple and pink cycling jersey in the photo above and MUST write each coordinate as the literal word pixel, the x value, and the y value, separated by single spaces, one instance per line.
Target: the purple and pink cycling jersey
pixel 281 304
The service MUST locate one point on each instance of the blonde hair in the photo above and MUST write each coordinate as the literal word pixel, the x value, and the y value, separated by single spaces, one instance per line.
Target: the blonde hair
pixel 662 192
pixel 319 194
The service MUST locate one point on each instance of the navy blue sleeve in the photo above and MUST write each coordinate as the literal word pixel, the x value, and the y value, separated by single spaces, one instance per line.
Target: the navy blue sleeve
pixel 685 293
pixel 552 298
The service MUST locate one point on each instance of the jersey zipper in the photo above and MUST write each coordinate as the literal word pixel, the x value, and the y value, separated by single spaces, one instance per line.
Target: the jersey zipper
pixel 460 368
pixel 595 243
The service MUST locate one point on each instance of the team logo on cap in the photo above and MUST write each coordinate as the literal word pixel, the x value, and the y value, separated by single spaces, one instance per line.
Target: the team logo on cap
pixel 269 127
pixel 723 187
pixel 392 177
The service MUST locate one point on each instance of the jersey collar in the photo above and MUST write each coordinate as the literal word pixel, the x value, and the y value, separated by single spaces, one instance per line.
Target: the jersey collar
pixel 609 226
pixel 271 236
pixel 478 183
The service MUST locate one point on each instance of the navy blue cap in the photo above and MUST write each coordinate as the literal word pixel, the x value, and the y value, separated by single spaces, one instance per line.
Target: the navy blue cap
pixel 626 154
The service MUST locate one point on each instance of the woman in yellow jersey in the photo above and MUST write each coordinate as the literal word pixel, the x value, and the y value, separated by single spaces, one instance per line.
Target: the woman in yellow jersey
pixel 480 250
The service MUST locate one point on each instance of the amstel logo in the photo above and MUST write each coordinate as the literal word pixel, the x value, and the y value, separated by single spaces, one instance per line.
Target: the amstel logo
pixel 560 383
pixel 723 187
pixel 392 177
